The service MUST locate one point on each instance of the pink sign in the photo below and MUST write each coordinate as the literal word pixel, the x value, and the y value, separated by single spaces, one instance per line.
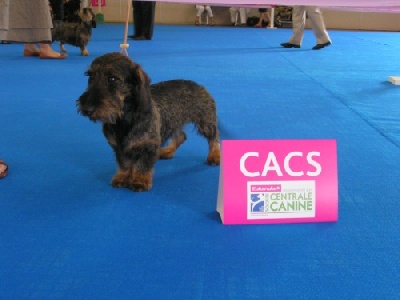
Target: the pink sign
pixel 278 181
pixel 96 3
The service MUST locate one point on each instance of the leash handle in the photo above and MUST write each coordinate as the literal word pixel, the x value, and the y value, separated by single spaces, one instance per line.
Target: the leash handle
pixel 125 45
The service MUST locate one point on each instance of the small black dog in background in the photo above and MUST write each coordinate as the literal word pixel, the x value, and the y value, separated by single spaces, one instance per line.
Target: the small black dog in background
pixel 76 33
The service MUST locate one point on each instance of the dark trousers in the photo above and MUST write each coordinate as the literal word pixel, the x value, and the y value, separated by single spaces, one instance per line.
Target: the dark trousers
pixel 71 11
pixel 57 6
pixel 143 18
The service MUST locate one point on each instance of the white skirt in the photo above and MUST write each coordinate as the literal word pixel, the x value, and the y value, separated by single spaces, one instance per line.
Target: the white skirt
pixel 25 21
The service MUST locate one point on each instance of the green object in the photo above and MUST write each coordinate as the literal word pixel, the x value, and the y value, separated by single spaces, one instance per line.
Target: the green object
pixel 99 18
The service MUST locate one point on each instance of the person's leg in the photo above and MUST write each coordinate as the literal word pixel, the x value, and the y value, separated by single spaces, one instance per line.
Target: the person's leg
pixel 137 18
pixel 243 15
pixel 268 18
pixel 210 16
pixel 209 11
pixel 262 12
pixel 199 12
pixel 47 52
pixel 44 51
pixel 31 50
pixel 299 22
pixel 57 6
pixel 233 11
pixel 318 25
pixel 148 12
pixel 71 10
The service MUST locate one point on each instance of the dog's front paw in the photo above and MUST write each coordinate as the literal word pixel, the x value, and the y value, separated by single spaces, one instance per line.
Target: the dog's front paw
pixel 140 186
pixel 84 52
pixel 141 182
pixel 167 153
pixel 120 180
pixel 213 160
pixel 214 156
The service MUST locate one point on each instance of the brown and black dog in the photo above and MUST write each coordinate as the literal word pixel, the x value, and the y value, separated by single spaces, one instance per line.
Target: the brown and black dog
pixel 138 118
pixel 77 33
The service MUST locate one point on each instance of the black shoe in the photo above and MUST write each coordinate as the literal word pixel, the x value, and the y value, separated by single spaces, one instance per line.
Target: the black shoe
pixel 290 45
pixel 320 46
pixel 141 38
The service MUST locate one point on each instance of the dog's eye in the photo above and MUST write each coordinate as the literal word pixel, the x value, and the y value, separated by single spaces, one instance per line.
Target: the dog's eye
pixel 90 76
pixel 112 79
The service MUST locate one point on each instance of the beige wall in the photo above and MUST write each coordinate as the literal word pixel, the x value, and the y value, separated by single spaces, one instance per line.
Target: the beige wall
pixel 171 13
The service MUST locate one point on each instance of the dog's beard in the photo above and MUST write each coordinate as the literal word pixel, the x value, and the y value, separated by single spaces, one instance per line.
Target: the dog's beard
pixel 108 112
pixel 106 116
pixel 109 117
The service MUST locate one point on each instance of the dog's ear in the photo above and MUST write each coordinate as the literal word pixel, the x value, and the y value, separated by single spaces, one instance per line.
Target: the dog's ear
pixel 142 89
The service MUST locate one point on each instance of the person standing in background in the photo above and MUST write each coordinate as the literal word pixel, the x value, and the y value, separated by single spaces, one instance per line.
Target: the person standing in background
pixel 57 7
pixel 263 14
pixel 200 9
pixel 143 19
pixel 314 14
pixel 72 9
pixel 28 22
pixel 243 12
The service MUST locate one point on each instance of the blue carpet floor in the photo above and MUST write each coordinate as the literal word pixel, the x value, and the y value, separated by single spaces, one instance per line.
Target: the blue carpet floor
pixel 65 233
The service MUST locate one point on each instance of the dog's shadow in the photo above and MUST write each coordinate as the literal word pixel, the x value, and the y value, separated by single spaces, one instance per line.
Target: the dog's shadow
pixel 188 182
pixel 183 171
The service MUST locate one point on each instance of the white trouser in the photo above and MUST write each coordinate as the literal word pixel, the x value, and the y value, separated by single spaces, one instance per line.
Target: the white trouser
pixel 242 13
pixel 200 9
pixel 316 21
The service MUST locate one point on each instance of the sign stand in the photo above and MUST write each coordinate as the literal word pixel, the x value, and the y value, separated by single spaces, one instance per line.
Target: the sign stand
pixel 278 181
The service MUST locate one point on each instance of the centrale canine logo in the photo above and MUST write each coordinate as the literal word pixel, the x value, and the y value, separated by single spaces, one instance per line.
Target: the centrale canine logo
pixel 279 200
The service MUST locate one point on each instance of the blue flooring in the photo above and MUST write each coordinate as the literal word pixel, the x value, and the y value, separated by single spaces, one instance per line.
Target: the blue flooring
pixel 65 233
